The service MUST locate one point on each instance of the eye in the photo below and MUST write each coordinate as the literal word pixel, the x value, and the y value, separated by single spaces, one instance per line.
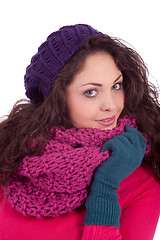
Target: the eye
pixel 117 86
pixel 90 93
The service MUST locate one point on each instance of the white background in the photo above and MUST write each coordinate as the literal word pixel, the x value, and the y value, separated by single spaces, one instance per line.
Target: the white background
pixel 24 25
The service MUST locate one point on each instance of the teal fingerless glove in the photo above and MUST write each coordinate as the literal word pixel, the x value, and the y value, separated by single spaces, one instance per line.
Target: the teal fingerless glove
pixel 127 152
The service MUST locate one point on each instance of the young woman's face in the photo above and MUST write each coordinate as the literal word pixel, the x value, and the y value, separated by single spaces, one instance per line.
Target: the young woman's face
pixel 95 98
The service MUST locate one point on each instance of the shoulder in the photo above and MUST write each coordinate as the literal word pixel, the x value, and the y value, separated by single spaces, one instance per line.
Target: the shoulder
pixel 142 184
pixel 142 175
pixel 1 193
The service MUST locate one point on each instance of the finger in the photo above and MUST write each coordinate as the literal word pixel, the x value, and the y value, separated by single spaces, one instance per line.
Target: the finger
pixel 110 145
pixel 138 136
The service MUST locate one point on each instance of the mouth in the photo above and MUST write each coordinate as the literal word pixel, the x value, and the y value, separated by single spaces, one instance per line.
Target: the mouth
pixel 106 121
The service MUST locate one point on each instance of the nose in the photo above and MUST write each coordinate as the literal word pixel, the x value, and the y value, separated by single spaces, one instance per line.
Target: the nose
pixel 107 103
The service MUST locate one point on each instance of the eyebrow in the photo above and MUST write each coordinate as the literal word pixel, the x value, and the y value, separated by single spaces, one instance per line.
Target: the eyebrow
pixel 98 84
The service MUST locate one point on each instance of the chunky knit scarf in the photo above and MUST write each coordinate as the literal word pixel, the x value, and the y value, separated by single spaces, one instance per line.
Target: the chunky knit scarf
pixel 57 181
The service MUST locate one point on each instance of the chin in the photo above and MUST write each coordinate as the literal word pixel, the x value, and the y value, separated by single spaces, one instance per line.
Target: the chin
pixel 109 127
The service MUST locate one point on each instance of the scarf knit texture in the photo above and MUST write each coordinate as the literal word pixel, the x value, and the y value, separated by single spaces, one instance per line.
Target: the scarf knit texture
pixel 57 181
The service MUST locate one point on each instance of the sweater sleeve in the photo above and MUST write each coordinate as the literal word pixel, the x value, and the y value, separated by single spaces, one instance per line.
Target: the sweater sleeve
pixel 95 232
pixel 140 206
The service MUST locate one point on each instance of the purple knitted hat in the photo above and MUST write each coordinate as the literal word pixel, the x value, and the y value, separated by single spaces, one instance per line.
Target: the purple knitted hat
pixel 51 57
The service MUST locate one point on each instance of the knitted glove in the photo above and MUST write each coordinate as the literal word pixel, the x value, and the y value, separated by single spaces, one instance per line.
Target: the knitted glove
pixel 128 148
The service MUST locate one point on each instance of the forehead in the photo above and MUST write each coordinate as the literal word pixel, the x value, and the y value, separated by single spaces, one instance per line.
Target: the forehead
pixel 98 67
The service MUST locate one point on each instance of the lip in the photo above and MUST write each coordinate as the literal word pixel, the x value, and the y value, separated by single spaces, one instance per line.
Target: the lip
pixel 107 121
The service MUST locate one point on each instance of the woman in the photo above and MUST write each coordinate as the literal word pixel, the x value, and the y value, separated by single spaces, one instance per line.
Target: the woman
pixel 89 101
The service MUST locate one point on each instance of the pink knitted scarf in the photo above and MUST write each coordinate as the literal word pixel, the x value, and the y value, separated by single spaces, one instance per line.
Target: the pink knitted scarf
pixel 56 182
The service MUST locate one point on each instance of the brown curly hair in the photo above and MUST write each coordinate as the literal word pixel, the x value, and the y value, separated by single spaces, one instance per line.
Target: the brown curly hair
pixel 33 121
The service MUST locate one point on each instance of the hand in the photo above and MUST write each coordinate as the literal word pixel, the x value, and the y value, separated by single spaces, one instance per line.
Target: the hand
pixel 128 150
pixel 102 207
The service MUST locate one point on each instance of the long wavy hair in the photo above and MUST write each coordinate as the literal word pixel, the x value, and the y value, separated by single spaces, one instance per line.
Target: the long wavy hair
pixel 29 121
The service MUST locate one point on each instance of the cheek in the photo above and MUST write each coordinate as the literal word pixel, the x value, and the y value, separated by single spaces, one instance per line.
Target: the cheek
pixel 76 107
pixel 82 110
pixel 120 102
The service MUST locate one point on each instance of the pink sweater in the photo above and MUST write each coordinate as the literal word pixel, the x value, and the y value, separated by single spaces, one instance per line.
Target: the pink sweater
pixel 139 198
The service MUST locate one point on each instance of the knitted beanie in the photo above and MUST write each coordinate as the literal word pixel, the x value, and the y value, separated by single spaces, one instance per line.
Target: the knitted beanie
pixel 51 57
